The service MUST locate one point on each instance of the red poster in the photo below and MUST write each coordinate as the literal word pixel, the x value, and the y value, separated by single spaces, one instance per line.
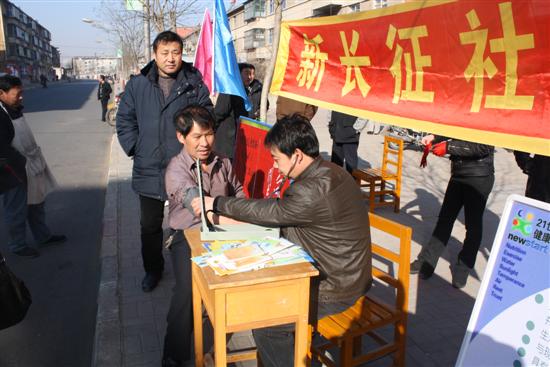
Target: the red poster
pixel 253 163
pixel 475 70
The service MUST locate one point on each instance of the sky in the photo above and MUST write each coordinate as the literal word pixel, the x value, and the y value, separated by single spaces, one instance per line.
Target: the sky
pixel 73 37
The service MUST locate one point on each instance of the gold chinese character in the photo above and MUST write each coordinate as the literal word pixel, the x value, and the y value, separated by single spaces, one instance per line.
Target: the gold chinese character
pixel 352 64
pixel 312 63
pixel 477 66
pixel 420 61
pixel 510 44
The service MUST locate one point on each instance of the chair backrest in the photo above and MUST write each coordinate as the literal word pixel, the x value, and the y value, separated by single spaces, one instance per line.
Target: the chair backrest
pixel 392 155
pixel 402 259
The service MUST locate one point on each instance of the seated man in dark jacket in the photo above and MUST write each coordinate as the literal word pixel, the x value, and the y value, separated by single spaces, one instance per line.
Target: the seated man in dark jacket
pixel 472 179
pixel 323 211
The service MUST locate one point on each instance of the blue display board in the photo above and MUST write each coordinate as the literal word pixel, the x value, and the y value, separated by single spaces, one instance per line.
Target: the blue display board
pixel 510 322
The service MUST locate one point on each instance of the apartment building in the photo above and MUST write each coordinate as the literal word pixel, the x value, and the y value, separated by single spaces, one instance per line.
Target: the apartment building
pixel 25 48
pixel 91 67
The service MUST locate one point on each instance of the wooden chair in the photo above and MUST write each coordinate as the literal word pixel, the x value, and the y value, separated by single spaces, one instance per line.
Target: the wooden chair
pixel 369 313
pixel 376 178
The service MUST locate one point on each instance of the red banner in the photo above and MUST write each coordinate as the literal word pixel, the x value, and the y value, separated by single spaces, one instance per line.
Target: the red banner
pixel 253 163
pixel 474 70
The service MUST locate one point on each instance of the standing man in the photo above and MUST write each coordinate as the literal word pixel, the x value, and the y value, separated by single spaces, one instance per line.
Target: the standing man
pixel 537 168
pixel 322 211
pixel 103 95
pixel 345 140
pixel 14 184
pixel 146 132
pixel 229 108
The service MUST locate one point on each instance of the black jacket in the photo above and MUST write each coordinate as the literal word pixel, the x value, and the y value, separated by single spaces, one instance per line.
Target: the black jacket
pixel 538 169
pixel 104 90
pixel 323 211
pixel 145 123
pixel 469 159
pixel 228 110
pixel 12 163
pixel 341 128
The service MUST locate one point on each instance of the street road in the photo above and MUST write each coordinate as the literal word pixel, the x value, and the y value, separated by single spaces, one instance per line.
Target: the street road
pixel 59 327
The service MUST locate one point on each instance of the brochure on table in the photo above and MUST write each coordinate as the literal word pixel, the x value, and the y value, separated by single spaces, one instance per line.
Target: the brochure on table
pixel 510 322
pixel 242 231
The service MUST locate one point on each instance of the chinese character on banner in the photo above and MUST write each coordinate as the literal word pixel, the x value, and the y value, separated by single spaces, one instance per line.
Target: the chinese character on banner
pixel 420 61
pixel 509 44
pixel 312 63
pixel 352 64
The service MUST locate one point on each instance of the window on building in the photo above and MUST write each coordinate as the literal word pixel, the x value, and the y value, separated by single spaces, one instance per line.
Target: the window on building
pixel 254 9
pixel 12 50
pixel 269 37
pixel 12 30
pixel 355 7
pixel 254 38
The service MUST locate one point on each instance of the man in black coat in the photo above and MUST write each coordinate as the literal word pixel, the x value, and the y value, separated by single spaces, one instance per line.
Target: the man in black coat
pixel 471 182
pixel 146 132
pixel 103 95
pixel 538 170
pixel 229 108
pixel 345 140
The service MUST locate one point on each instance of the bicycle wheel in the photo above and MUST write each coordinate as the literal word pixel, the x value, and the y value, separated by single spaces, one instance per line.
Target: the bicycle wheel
pixel 111 116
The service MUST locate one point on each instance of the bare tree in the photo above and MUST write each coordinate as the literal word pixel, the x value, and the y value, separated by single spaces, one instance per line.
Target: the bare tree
pixel 125 27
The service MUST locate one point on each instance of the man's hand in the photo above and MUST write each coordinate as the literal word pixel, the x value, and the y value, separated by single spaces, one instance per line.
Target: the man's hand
pixel 196 204
pixel 440 149
pixel 426 140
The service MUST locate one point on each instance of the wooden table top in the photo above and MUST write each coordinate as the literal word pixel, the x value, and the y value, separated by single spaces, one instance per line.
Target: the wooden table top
pixel 277 273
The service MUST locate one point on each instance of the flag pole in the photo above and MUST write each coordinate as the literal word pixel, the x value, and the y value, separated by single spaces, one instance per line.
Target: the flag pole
pixel 214 49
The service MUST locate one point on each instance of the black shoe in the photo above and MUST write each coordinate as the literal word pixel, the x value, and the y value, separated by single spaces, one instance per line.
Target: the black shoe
pixel 54 239
pixel 27 252
pixel 422 268
pixel 150 282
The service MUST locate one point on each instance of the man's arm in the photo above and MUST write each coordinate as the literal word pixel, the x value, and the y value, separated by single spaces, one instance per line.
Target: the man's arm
pixel 204 97
pixel 126 121
pixel 222 109
pixel 468 149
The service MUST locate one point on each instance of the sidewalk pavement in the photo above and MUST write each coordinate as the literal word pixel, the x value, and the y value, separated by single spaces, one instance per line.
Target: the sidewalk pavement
pixel 131 324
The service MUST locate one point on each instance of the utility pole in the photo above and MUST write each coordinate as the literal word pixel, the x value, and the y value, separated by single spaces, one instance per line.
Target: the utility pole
pixel 147 30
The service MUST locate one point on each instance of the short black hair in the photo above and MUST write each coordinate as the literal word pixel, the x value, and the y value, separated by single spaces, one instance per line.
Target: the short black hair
pixel 291 133
pixel 166 37
pixel 184 119
pixel 102 77
pixel 8 82
pixel 245 65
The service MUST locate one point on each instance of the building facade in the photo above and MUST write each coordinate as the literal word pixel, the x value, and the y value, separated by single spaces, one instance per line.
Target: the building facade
pixel 25 49
pixel 91 67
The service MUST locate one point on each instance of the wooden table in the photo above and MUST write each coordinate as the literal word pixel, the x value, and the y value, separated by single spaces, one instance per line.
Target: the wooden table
pixel 255 299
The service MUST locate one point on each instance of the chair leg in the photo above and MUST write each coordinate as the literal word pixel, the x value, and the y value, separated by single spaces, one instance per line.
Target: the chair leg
pixel 382 188
pixel 372 195
pixel 400 340
pixel 346 353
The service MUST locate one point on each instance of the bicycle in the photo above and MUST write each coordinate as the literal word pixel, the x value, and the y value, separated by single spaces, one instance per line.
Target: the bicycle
pixel 112 109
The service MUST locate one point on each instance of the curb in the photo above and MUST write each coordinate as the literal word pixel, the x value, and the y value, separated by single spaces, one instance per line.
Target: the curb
pixel 107 349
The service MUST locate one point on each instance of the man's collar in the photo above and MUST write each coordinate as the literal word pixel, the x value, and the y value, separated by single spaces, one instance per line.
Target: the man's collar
pixel 190 162
pixel 309 169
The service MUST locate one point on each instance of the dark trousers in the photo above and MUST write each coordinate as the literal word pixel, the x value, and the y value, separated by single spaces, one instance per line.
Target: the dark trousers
pixel 104 102
pixel 276 344
pixel 152 214
pixel 470 193
pixel 177 342
pixel 345 153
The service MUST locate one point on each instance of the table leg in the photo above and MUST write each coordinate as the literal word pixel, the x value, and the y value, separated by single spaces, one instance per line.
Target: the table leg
pixel 220 341
pixel 197 323
pixel 302 327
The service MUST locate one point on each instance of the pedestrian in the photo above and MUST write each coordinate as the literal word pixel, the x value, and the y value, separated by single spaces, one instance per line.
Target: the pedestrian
pixel 287 107
pixel 471 182
pixel 322 211
pixel 25 177
pixel 195 130
pixel 146 132
pixel 345 140
pixel 229 108
pixel 537 168
pixel 104 91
